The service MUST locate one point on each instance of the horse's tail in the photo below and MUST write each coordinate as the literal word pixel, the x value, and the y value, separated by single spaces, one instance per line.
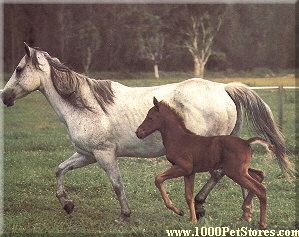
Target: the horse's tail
pixel 262 141
pixel 262 121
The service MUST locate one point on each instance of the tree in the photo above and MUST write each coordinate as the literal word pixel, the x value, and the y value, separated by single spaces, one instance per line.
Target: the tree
pixel 204 21
pixel 151 47
pixel 106 37
pixel 144 25
pixel 90 41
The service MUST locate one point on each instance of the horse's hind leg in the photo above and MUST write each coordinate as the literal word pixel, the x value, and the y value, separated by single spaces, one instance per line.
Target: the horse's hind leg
pixel 75 161
pixel 200 198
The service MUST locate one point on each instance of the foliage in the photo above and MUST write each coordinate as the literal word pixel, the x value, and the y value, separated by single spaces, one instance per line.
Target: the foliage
pixel 251 35
pixel 35 142
pixel 262 72
pixel 217 61
pixel 201 32
pixel 89 39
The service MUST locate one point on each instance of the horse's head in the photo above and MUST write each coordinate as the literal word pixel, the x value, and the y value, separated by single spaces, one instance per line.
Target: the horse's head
pixel 153 121
pixel 26 77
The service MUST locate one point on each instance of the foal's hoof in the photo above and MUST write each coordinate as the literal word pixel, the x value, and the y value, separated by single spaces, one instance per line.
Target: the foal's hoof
pixel 181 213
pixel 69 206
pixel 262 226
pixel 246 216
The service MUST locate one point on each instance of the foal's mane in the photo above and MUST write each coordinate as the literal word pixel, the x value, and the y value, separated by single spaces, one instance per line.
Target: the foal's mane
pixel 68 84
pixel 178 117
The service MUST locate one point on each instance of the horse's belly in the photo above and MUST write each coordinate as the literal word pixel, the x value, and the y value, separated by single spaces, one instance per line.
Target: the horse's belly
pixel 149 147
pixel 149 153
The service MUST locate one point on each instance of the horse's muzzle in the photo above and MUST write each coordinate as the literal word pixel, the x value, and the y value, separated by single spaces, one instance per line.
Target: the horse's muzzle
pixel 8 97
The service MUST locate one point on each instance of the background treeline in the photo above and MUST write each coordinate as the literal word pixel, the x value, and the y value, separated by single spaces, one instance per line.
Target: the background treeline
pixel 115 37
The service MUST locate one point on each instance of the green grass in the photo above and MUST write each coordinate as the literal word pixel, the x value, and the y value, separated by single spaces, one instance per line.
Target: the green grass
pixel 35 143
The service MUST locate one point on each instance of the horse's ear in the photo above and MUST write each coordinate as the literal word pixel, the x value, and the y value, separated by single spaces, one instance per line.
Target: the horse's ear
pixel 27 49
pixel 156 103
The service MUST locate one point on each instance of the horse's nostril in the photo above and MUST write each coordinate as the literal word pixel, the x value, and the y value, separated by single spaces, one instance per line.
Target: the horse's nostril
pixel 8 97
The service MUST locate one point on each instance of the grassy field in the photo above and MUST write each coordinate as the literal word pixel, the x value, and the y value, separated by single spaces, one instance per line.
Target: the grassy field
pixel 35 143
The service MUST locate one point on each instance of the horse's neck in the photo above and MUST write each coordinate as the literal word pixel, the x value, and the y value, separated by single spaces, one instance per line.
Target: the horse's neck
pixel 62 108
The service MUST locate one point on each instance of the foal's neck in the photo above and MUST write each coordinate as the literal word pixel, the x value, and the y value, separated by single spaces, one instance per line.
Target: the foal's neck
pixel 172 131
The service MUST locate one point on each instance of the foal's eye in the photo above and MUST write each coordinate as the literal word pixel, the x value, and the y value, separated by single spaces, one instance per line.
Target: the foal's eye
pixel 19 69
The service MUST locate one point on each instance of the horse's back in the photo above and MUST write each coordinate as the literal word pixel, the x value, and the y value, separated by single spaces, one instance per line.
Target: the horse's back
pixel 205 107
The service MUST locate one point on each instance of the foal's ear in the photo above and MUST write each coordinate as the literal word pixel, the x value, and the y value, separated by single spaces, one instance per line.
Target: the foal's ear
pixel 27 49
pixel 156 103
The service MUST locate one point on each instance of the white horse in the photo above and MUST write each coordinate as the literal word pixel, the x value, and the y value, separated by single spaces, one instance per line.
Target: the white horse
pixel 102 116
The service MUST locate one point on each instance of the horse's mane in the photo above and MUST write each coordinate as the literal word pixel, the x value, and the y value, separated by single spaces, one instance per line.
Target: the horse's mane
pixel 178 116
pixel 68 84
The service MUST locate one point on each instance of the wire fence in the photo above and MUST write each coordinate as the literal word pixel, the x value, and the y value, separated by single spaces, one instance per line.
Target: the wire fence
pixel 280 99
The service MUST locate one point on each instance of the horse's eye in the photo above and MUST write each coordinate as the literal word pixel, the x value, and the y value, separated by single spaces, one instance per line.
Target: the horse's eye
pixel 150 118
pixel 19 69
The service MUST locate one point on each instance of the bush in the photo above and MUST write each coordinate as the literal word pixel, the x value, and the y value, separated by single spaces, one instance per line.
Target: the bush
pixel 262 72
pixel 217 62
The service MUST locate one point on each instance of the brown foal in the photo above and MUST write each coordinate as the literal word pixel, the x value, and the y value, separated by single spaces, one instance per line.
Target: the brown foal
pixel 189 154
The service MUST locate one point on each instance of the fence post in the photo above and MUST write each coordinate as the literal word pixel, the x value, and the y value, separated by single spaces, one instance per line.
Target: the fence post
pixel 280 107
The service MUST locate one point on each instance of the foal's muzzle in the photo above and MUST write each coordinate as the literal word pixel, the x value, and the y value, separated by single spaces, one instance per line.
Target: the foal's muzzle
pixel 8 97
pixel 140 133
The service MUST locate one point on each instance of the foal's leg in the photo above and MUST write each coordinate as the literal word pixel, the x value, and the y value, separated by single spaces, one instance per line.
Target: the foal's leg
pixel 247 205
pixel 257 174
pixel 245 180
pixel 75 161
pixel 174 172
pixel 237 132
pixel 200 198
pixel 189 189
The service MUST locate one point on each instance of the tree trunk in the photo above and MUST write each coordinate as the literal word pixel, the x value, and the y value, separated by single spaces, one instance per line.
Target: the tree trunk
pixel 156 71
pixel 199 67
pixel 61 20
pixel 88 60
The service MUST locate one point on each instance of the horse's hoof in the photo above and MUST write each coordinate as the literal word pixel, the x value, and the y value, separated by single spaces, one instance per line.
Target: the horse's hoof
pixel 122 218
pixel 200 212
pixel 69 206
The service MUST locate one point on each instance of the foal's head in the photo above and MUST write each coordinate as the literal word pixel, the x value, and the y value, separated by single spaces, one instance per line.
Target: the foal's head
pixel 153 121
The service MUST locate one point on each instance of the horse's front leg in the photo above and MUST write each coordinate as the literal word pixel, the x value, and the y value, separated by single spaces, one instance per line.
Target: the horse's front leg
pixel 108 162
pixel 174 172
pixel 74 162
pixel 200 198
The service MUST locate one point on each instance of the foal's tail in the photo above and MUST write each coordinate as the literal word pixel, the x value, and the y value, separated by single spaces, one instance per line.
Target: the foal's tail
pixel 262 121
pixel 262 141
